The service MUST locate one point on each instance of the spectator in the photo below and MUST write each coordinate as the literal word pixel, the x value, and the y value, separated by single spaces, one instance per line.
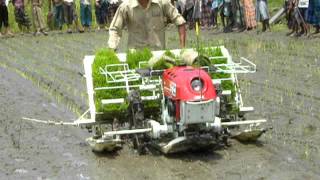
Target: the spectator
pixel 101 7
pixel 205 13
pixel 38 21
pixel 112 8
pixel 289 6
pixel 313 15
pixel 4 19
pixel 249 15
pixel 196 15
pixel 70 15
pixel 85 14
pixel 303 6
pixel 57 13
pixel 187 13
pixel 263 14
pixel 21 17
pixel 226 15
pixel 235 20
pixel 181 6
pixel 216 7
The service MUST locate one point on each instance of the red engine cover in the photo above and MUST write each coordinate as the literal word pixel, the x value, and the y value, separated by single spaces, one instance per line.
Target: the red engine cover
pixel 177 84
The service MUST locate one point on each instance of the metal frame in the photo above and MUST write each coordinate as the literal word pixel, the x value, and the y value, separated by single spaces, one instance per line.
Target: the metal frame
pixel 126 75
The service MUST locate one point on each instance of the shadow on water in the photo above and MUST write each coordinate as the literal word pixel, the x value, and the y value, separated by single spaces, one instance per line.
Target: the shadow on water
pixel 256 143
pixel 204 154
pixel 108 154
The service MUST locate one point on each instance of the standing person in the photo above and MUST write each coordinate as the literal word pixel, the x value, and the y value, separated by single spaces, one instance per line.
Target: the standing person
pixel 303 6
pixel 263 14
pixel 313 15
pixel 4 18
pixel 237 15
pixel 57 13
pixel 187 13
pixel 38 21
pixel 226 16
pixel 146 22
pixel 196 15
pixel 249 15
pixel 85 14
pixel 215 8
pixel 205 13
pixel 70 15
pixel 112 8
pixel 101 7
pixel 291 20
pixel 181 6
pixel 21 17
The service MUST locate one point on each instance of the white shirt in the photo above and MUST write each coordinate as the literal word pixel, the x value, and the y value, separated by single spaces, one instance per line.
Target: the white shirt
pixel 303 3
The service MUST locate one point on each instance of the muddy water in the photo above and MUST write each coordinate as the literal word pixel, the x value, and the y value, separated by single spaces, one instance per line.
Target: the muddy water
pixel 41 78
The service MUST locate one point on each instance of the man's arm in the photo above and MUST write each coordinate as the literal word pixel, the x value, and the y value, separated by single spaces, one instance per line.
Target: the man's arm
pixel 182 35
pixel 172 13
pixel 118 22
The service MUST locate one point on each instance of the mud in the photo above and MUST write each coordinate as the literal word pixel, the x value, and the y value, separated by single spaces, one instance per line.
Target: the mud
pixel 42 78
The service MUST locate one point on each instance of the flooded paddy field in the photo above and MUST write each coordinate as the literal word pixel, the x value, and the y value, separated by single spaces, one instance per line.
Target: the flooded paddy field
pixel 41 77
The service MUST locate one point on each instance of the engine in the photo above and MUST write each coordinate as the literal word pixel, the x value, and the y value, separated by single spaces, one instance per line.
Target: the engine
pixel 190 98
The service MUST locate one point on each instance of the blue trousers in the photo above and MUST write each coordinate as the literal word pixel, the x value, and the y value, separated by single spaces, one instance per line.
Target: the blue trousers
pixel 85 15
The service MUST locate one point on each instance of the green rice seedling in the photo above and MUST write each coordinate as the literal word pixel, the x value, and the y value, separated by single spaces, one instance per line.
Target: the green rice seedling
pixel 104 57
pixel 135 56
pixel 164 63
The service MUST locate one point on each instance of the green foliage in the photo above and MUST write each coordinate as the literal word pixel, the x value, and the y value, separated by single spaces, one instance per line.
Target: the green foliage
pixel 135 56
pixel 210 51
pixel 202 60
pixel 226 84
pixel 104 57
pixel 163 63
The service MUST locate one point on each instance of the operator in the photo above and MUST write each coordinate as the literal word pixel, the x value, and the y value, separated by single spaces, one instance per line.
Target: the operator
pixel 146 22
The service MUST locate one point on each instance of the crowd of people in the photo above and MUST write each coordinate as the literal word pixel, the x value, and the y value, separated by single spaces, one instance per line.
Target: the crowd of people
pixel 233 15
pixel 301 15
pixel 241 15
pixel 61 12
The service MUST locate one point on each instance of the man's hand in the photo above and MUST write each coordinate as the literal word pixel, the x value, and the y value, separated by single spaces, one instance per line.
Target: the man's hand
pixel 182 35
